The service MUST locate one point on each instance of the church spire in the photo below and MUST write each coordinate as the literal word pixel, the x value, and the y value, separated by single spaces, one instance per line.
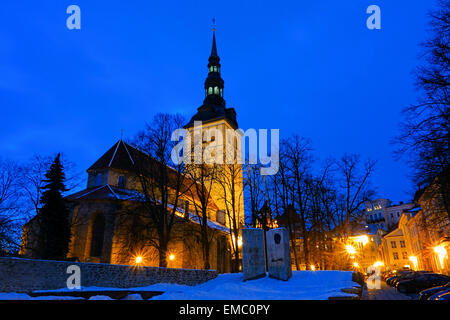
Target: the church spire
pixel 214 47
pixel 213 107
pixel 214 83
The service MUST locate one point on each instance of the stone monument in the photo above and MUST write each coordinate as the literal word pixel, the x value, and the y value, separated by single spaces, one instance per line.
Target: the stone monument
pixel 278 254
pixel 253 256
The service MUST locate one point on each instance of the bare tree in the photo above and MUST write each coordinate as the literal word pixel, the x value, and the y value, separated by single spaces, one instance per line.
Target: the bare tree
pixel 149 218
pixel 10 218
pixel 230 178
pixel 203 177
pixel 425 132
pixel 354 182
pixel 299 166
pixel 253 184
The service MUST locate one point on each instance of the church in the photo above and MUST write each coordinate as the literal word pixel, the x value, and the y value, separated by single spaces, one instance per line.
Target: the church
pixel 97 224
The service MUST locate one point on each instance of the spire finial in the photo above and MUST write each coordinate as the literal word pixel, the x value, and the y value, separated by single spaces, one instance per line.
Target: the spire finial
pixel 214 48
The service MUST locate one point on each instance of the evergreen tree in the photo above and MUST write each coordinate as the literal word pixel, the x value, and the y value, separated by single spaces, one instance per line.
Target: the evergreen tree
pixel 54 215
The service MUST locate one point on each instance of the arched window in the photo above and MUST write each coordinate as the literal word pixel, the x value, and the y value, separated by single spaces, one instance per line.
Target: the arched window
pixel 216 90
pixel 98 233
pixel 210 90
pixel 221 92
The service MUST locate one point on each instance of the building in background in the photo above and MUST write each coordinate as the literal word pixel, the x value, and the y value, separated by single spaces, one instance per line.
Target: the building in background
pixel 393 251
pixel 427 233
pixel 383 214
pixel 362 249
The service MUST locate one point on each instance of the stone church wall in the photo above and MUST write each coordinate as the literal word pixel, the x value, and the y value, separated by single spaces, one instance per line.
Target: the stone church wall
pixel 30 274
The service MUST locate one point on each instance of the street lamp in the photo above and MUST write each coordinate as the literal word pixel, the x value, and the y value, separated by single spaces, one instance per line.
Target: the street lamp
pixel 378 264
pixel 413 259
pixel 441 252
pixel 363 239
pixel 350 249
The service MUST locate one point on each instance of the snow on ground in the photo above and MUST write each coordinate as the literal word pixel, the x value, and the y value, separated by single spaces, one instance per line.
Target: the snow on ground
pixel 304 285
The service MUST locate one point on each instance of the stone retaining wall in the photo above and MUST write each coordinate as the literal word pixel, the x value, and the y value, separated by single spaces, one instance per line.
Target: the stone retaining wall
pixel 25 275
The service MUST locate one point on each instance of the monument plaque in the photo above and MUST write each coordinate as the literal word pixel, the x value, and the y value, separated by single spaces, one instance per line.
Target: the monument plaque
pixel 278 254
pixel 253 258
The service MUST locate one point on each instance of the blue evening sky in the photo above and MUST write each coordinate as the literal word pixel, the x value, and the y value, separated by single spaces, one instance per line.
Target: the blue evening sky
pixel 306 67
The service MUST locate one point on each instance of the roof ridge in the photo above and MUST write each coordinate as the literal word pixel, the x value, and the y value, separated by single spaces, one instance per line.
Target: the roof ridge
pixel 115 195
pixel 125 145
pixel 114 154
pixel 85 194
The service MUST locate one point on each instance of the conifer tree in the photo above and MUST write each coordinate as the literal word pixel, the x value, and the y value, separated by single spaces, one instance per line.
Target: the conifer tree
pixel 54 215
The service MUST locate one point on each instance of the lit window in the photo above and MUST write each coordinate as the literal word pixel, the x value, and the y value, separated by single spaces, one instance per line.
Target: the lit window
pixel 216 90
pixel 210 90
pixel 393 244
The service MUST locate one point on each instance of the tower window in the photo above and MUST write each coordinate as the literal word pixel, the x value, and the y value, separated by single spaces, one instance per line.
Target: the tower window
pixel 216 90
pixel 210 90
pixel 98 179
pixel 121 182
pixel 98 232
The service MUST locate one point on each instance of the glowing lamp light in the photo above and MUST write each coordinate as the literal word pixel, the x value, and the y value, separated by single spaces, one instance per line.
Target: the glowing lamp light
pixel 239 241
pixel 378 264
pixel 363 239
pixel 138 259
pixel 413 259
pixel 350 249
pixel 312 267
pixel 356 264
pixel 172 257
pixel 441 252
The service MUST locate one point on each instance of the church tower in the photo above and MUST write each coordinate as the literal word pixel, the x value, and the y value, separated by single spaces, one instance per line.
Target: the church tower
pixel 219 140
